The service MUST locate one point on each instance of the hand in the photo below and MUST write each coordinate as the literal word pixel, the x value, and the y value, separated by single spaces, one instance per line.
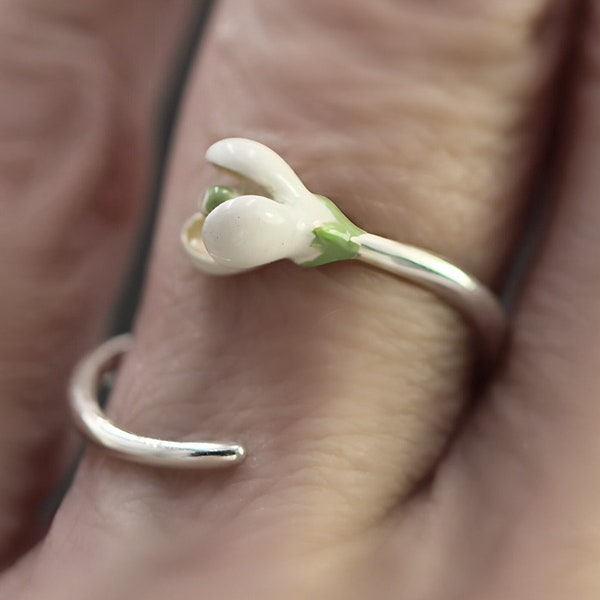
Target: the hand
pixel 372 473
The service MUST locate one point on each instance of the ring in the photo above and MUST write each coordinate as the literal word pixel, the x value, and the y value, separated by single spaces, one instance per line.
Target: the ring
pixel 235 231
pixel 92 422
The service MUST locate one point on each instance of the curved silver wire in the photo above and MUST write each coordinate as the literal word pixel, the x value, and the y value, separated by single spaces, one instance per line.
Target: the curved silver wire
pixel 470 297
pixel 93 423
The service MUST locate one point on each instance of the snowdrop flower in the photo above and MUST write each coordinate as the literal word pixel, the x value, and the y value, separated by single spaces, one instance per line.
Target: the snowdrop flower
pixel 235 232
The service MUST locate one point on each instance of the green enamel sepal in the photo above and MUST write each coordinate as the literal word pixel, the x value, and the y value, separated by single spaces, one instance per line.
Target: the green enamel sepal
pixel 215 195
pixel 334 240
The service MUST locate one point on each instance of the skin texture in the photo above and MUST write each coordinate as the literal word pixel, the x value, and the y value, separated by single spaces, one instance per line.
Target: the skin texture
pixel 373 470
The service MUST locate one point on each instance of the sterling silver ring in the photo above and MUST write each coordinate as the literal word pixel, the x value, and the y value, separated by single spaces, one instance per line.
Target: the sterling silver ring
pixel 234 232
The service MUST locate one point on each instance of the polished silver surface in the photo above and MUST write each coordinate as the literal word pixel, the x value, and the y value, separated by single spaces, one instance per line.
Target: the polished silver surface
pixel 478 305
pixel 93 423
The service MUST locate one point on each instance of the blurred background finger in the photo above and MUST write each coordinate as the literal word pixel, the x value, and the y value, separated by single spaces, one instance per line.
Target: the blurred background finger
pixel 80 85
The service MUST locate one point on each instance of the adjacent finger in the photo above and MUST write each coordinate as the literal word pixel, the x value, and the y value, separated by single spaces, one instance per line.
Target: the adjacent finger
pixel 80 85
pixel 530 455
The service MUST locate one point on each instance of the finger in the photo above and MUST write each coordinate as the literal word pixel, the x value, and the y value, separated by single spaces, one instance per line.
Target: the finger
pixel 343 383
pixel 80 83
pixel 531 454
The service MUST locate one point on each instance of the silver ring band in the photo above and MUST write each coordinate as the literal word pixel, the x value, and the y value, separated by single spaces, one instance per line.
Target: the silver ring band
pixel 479 307
pixel 93 423
pixel 235 232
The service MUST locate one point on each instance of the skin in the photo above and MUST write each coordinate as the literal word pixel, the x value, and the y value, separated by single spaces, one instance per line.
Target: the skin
pixel 374 471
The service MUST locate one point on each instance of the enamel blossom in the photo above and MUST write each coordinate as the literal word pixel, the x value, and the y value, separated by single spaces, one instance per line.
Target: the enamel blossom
pixel 235 232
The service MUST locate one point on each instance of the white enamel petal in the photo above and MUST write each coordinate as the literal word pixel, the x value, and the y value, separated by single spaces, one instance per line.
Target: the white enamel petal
pixel 191 239
pixel 258 163
pixel 249 231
